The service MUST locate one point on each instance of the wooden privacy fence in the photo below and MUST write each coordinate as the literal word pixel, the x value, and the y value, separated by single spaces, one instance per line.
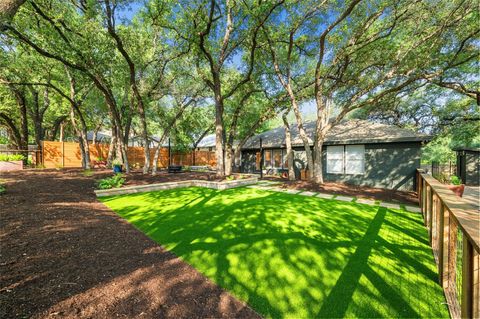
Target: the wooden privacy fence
pixel 68 154
pixel 454 232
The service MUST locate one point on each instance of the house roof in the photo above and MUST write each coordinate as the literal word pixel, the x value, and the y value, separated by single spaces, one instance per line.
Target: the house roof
pixel 207 141
pixel 347 132
pixel 101 136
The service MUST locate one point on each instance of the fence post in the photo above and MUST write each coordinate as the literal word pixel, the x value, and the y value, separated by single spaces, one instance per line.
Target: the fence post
pixel 467 279
pixel 430 214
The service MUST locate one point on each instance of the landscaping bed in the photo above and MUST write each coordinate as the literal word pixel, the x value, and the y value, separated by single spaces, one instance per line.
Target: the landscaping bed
pixel 65 255
pixel 351 190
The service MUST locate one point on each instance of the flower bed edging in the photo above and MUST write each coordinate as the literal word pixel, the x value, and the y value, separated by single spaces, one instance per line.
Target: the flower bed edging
pixel 170 185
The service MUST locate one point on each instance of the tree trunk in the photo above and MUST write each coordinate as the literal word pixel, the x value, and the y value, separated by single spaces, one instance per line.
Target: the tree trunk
pixel 62 132
pixel 288 143
pixel 112 148
pixel 82 137
pixel 322 126
pixel 146 147
pixel 219 134
pixel 157 155
pixel 319 159
pixel 23 120
pixel 229 156
pixel 303 135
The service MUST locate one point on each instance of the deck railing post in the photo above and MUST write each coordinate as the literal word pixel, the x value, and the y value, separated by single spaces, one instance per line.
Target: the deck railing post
pixel 467 279
pixel 443 246
pixel 476 284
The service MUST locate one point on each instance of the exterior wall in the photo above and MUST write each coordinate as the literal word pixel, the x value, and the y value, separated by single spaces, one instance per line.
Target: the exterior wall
pixel 472 168
pixel 387 165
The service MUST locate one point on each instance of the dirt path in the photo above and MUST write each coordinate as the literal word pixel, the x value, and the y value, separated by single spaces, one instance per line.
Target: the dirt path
pixel 63 254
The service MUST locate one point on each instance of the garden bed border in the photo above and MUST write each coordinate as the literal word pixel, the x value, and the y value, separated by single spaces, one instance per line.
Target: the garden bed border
pixel 170 185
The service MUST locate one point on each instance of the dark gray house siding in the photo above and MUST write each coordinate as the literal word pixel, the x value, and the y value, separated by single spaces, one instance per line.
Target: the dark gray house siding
pixel 387 165
pixel 363 153
pixel 468 166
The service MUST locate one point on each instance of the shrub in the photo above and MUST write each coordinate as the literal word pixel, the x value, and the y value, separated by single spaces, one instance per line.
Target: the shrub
pixel 115 181
pixel 455 180
pixel 3 189
pixel 11 157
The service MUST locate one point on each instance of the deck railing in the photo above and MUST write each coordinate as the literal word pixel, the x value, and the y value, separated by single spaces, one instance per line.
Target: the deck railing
pixel 454 232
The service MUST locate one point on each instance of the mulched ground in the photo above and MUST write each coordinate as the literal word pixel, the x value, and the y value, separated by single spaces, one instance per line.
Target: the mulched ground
pixel 352 190
pixel 63 254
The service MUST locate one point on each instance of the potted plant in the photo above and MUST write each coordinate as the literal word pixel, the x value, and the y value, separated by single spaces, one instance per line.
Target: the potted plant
pixel 117 166
pixel 456 186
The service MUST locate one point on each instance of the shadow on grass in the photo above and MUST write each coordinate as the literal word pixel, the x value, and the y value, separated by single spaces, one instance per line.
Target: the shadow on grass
pixel 295 256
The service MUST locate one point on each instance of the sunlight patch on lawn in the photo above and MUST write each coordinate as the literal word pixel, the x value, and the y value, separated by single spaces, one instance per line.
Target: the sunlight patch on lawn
pixel 295 256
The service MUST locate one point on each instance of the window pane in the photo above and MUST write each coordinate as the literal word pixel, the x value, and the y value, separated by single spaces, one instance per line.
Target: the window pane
pixel 258 158
pixel 335 159
pixel 277 158
pixel 355 159
pixel 268 159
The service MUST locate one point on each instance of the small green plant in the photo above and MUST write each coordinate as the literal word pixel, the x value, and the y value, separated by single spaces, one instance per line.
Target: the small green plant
pixel 3 189
pixel 11 157
pixel 115 181
pixel 87 173
pixel 455 180
pixel 230 178
pixel 99 158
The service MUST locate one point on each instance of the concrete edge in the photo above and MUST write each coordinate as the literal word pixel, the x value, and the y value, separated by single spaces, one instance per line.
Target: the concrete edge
pixel 171 185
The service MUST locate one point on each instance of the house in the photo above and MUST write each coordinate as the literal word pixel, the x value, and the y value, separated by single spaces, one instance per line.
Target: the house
pixel 357 152
pixel 468 165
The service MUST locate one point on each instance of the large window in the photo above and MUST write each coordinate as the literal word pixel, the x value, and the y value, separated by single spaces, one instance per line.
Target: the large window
pixel 349 159
pixel 354 159
pixel 335 159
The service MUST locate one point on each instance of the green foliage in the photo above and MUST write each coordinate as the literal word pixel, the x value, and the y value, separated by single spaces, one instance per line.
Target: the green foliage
pixel 115 181
pixel 455 180
pixel 439 150
pixel 292 256
pixel 87 173
pixel 11 157
pixel 117 162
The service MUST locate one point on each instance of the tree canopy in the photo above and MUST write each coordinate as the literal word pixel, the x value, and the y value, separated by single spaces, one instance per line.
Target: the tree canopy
pixel 158 69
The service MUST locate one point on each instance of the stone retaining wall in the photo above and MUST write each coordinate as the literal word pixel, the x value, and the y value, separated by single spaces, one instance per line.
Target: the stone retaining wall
pixel 170 185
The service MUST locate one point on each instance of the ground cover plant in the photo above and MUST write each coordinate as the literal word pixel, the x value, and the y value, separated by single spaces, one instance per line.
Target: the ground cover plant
pixel 296 256
pixel 114 181
pixel 11 157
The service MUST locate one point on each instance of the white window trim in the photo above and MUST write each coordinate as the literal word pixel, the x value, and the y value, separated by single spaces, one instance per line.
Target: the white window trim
pixel 344 159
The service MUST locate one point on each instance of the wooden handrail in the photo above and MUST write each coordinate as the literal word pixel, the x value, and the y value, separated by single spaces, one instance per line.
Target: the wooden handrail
pixel 447 217
pixel 467 218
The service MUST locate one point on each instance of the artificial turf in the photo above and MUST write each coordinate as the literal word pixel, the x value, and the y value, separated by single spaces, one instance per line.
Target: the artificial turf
pixel 296 256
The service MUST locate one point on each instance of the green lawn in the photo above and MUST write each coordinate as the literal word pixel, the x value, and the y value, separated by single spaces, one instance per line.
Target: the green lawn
pixel 296 256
